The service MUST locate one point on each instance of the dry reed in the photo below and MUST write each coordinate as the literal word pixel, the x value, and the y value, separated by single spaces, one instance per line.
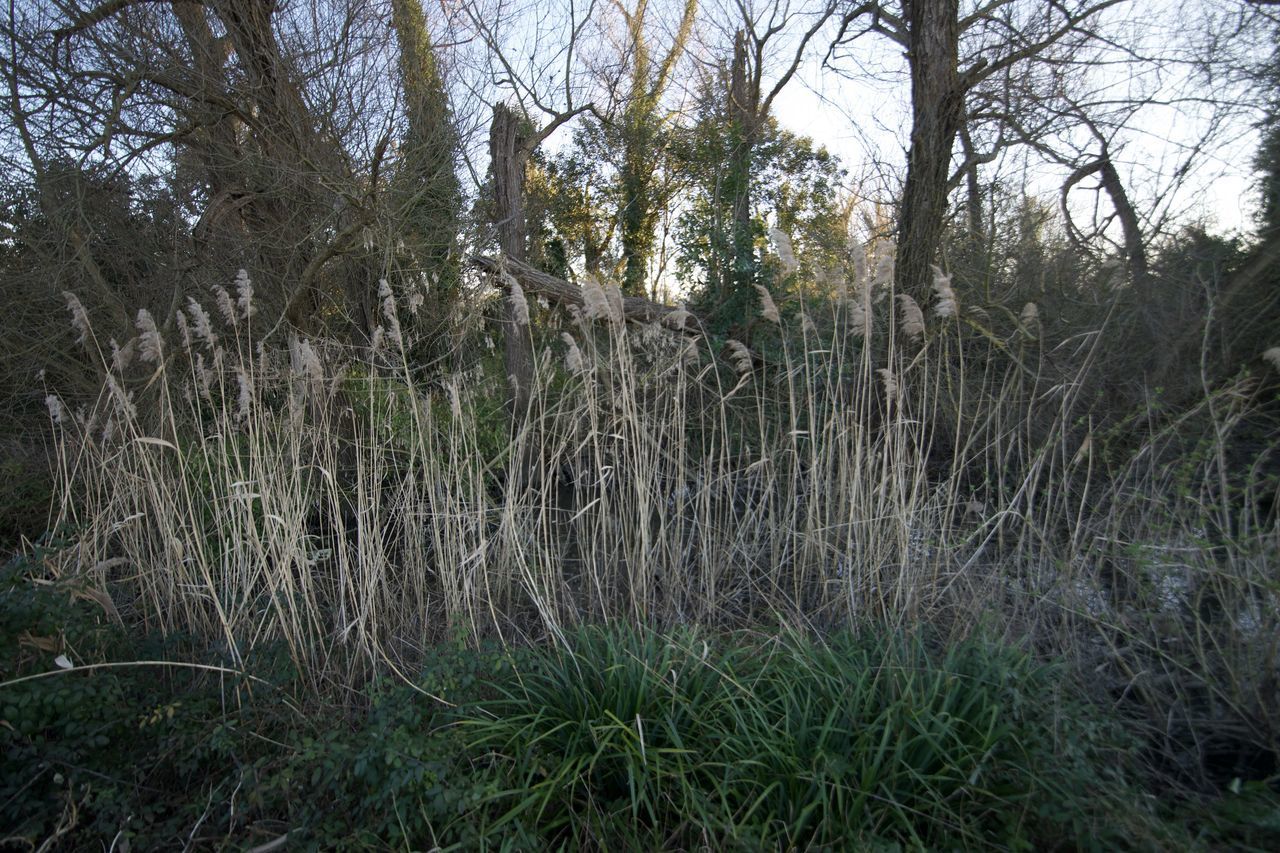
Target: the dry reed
pixel 306 496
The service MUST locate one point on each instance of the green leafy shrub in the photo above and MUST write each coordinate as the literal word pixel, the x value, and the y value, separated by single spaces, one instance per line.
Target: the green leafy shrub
pixel 99 739
pixel 401 774
pixel 622 740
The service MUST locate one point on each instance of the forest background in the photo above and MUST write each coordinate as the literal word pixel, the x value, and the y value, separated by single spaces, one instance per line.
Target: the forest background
pixel 467 398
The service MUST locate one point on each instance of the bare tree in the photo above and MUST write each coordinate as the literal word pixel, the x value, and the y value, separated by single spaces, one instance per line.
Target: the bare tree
pixel 541 80
pixel 951 51
pixel 270 124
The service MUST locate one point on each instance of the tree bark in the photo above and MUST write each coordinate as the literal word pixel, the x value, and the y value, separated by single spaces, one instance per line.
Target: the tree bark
pixel 287 198
pixel 973 190
pixel 639 212
pixel 508 151
pixel 427 190
pixel 743 118
pixel 642 142
pixel 937 110
pixel 216 137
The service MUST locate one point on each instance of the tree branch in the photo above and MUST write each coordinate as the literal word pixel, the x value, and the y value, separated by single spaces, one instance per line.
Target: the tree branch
pixel 566 293
pixel 100 13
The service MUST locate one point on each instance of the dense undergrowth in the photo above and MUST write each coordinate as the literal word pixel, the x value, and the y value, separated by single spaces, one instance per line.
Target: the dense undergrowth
pixel 293 587
pixel 617 739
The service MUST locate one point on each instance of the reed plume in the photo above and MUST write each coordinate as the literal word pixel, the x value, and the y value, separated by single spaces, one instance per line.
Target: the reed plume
pixel 946 304
pixel 79 317
pixel 150 344
pixel 911 321
pixel 739 355
pixel 782 242
pixel 768 309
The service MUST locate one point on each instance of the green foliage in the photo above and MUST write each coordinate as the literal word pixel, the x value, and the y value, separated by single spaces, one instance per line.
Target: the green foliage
pixel 791 179
pixel 127 224
pixel 638 740
pixel 568 206
pixel 1267 158
pixel 137 750
pixel 424 187
pixel 624 740
pixel 26 491
pixel 1246 815
pixel 158 756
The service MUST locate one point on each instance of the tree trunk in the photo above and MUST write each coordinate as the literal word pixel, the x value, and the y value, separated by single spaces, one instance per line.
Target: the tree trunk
pixel 427 189
pixel 1135 250
pixel 1157 318
pixel 638 208
pixel 216 134
pixel 973 190
pixel 287 199
pixel 742 121
pixel 642 142
pixel 507 151
pixel 937 110
pixel 561 292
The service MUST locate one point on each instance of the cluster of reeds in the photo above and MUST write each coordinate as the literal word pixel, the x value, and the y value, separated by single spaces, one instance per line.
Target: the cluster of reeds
pixel 858 462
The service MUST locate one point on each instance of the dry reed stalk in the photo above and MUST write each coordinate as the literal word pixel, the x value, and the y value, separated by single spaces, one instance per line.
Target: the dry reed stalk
pixel 202 325
pixel 79 317
pixel 653 494
pixel 739 355
pixel 519 305
pixel 150 344
pixel 782 243
pixel 613 296
pixel 890 383
pixel 882 278
pixel 595 305
pixel 226 307
pixel 860 312
pixel 573 356
pixel 244 295
pixel 122 357
pixel 677 319
pixel 857 263
pixel 1029 321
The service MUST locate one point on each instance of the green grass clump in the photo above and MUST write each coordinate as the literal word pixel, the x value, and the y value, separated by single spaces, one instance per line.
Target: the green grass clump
pixel 647 741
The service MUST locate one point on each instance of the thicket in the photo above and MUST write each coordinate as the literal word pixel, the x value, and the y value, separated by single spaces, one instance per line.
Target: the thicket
pixel 324 508
pixel 614 738
pixel 811 560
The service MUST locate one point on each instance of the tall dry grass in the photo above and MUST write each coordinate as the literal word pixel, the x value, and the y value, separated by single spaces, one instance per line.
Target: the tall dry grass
pixel 858 463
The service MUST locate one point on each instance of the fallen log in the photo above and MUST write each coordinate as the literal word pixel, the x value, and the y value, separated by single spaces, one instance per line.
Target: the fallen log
pixel 567 294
